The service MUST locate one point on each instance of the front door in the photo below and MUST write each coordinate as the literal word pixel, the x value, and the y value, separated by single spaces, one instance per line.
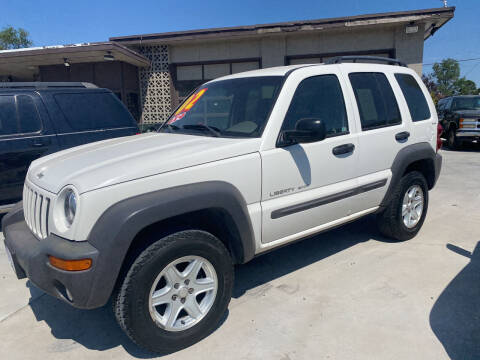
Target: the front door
pixel 308 186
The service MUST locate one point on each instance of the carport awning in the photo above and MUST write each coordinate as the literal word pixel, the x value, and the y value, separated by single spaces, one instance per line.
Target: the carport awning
pixel 22 61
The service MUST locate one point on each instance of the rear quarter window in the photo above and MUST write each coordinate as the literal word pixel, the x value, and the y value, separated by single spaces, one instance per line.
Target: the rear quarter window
pixel 93 111
pixel 417 104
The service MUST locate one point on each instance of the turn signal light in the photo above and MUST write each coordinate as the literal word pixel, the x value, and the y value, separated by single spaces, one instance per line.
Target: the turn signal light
pixel 70 265
pixel 461 123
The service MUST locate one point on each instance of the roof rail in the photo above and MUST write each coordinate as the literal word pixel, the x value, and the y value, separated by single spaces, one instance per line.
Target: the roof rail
pixel 365 59
pixel 45 85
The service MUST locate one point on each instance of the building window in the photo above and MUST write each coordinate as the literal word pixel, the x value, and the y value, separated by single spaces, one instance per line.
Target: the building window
pixel 321 58
pixel 190 76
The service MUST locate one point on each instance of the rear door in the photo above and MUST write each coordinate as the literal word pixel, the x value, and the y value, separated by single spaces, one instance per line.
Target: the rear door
pixel 383 128
pixel 25 135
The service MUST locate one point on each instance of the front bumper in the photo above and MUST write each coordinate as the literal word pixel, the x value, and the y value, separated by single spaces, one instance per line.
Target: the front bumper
pixel 30 259
pixel 468 135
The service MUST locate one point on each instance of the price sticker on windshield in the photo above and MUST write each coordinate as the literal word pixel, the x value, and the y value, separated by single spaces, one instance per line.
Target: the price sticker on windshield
pixel 187 105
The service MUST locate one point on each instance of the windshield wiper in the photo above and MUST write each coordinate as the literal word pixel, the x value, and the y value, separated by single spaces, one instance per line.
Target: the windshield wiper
pixel 169 127
pixel 213 130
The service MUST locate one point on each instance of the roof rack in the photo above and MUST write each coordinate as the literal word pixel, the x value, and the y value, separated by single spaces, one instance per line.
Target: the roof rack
pixel 45 85
pixel 365 59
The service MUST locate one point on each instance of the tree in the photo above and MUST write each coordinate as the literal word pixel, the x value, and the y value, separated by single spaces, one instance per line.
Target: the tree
pixel 465 87
pixel 11 38
pixel 432 87
pixel 446 75
pixel 446 80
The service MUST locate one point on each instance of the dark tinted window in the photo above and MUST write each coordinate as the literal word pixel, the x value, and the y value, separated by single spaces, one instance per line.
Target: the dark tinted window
pixel 28 115
pixel 441 105
pixel 8 118
pixel 319 97
pixel 417 104
pixel 466 103
pixel 375 99
pixel 93 111
pixel 448 104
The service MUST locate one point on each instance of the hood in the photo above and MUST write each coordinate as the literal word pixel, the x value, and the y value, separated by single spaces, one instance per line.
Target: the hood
pixel 113 161
pixel 468 113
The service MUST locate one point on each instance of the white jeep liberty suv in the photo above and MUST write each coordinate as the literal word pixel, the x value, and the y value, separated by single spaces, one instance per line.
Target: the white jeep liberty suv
pixel 247 163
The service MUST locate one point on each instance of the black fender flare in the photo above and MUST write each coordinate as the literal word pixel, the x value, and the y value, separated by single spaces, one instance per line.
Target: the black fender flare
pixel 407 156
pixel 117 227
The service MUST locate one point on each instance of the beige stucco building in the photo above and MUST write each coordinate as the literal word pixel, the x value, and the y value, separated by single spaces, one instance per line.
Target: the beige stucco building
pixel 152 73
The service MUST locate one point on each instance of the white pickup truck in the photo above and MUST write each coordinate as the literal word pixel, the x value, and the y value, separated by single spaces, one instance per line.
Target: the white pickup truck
pixel 247 163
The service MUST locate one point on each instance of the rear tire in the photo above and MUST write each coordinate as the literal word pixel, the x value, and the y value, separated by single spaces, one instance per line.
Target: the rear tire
pixel 402 219
pixel 164 272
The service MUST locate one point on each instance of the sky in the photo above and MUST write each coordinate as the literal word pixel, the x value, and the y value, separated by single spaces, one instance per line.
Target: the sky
pixel 56 22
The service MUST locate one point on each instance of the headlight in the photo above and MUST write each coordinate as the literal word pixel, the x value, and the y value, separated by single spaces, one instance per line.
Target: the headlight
pixel 65 208
pixel 70 206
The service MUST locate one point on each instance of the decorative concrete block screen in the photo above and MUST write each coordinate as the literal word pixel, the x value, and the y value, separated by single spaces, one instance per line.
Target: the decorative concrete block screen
pixel 155 94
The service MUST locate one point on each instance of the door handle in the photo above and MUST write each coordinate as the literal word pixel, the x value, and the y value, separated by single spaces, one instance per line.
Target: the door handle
pixel 404 135
pixel 343 149
pixel 40 142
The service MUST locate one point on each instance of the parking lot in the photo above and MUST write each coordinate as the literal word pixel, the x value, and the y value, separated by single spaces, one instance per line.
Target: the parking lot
pixel 345 294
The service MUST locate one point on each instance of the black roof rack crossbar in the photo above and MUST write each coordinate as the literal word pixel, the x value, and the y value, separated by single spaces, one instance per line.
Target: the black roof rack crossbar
pixel 45 85
pixel 365 59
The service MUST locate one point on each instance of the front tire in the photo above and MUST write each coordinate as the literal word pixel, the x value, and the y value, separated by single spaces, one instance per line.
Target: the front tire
pixel 452 140
pixel 404 216
pixel 176 291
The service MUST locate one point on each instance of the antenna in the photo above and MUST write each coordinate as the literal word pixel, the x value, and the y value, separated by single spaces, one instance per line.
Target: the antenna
pixel 445 3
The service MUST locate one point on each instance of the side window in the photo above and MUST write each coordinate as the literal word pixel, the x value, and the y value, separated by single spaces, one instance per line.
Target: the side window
pixel 440 105
pixel 319 97
pixel 8 116
pixel 93 111
pixel 448 104
pixel 28 114
pixel 417 104
pixel 375 99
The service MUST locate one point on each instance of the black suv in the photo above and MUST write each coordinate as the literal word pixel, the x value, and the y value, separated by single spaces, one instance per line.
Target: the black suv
pixel 460 118
pixel 37 119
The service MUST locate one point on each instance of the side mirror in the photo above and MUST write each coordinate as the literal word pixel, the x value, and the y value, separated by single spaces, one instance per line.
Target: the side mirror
pixel 306 131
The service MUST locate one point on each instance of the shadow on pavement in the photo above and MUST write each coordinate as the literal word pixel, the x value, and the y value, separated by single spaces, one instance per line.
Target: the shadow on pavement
pixel 295 256
pixel 455 316
pixel 98 330
pixel 466 147
pixel 94 329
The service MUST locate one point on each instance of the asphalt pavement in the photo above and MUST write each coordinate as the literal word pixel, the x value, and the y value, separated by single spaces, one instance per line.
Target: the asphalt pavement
pixel 345 294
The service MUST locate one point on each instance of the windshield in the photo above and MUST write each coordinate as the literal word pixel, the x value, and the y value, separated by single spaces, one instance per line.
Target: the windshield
pixel 228 108
pixel 467 103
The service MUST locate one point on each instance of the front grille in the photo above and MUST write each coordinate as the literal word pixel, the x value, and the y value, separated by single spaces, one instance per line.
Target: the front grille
pixel 36 207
